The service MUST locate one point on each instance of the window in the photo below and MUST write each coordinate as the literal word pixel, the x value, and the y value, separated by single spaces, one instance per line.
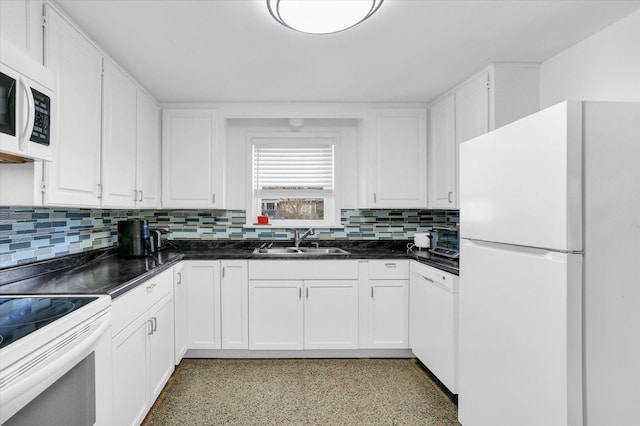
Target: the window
pixel 293 179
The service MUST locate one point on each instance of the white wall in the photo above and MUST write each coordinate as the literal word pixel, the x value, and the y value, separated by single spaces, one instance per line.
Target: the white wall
pixel 603 67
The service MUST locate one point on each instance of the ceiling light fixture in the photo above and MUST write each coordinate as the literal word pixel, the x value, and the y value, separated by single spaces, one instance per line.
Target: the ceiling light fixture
pixel 322 16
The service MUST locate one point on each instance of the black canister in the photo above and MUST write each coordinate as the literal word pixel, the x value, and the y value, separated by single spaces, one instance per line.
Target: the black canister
pixel 133 238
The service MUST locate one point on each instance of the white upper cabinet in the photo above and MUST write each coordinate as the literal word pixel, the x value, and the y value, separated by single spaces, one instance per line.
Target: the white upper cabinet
pixel 397 147
pixel 443 151
pixel 192 173
pixel 148 155
pixel 107 129
pixel 498 95
pixel 73 177
pixel 130 143
pixel 472 108
pixel 21 23
pixel 119 106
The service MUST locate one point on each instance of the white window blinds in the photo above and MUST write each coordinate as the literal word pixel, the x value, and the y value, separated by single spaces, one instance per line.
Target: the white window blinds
pixel 293 168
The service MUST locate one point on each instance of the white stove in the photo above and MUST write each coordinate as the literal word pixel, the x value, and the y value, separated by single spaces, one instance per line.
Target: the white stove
pixel 55 360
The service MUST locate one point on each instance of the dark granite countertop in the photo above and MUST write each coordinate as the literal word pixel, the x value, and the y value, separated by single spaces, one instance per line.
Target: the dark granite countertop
pixel 104 272
pixel 95 273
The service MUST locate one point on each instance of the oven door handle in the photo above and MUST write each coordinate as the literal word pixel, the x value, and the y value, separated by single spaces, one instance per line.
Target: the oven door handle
pixel 31 110
pixel 23 381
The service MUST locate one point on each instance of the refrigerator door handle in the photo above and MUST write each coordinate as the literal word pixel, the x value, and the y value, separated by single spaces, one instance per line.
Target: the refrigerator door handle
pixel 502 246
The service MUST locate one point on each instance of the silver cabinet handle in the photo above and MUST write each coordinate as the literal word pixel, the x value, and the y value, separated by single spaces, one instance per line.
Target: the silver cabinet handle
pixel 300 293
pixel 141 195
pixel 223 272
pixel 390 265
pixel 307 291
pixel 179 277
pixel 213 199
pixel 154 320
pixel 150 287
pixel 150 327
pixel 135 195
pixel 449 197
pixel 372 292
pixel 375 198
pixel 99 194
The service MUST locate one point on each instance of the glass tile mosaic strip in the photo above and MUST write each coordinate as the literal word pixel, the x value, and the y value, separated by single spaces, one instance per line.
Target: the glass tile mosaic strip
pixel 28 235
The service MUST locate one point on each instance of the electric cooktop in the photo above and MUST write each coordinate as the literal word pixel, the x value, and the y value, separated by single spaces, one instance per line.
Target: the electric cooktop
pixel 20 316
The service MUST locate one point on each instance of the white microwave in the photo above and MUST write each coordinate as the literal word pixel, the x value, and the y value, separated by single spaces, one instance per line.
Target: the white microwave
pixel 26 100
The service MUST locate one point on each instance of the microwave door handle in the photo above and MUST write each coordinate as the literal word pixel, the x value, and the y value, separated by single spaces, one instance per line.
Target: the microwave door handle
pixel 31 107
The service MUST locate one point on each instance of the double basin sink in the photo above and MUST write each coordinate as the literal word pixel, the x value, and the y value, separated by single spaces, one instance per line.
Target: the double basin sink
pixel 300 251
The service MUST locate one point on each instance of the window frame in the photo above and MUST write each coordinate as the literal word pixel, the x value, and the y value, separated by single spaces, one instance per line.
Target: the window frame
pixel 331 205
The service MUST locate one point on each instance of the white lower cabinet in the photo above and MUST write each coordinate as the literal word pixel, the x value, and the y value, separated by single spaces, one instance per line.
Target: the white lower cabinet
pixel 388 306
pixel 331 314
pixel 434 322
pixel 303 304
pixel 142 347
pixel 130 386
pixel 275 314
pixel 234 304
pixel 180 311
pixel 161 345
pixel 203 304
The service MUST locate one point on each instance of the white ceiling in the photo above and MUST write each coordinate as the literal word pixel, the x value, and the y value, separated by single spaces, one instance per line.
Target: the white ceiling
pixel 411 50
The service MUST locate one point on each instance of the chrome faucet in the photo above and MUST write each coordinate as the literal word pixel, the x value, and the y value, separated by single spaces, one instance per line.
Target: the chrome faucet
pixel 297 238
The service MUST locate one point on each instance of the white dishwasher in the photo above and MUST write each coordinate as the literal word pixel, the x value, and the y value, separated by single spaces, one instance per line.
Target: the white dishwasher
pixel 433 313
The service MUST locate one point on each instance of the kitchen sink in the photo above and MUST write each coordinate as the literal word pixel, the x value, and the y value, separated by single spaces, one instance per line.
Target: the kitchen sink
pixel 300 251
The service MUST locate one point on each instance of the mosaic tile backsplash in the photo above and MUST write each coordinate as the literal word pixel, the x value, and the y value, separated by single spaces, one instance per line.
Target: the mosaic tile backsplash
pixel 28 235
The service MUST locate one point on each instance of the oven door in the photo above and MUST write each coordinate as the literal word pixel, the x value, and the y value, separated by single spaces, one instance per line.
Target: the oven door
pixel 66 381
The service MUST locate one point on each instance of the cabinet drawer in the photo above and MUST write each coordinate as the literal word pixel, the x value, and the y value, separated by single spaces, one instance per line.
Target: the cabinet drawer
pixel 303 269
pixel 440 278
pixel 132 304
pixel 397 269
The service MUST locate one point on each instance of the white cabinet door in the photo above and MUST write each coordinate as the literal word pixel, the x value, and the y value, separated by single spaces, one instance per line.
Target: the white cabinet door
pixel 388 314
pixel 276 314
pixel 119 106
pixel 203 304
pixel 472 108
pixel 73 177
pixel 20 23
pixel 331 314
pixel 148 155
pixel 234 304
pixel 130 386
pixel 161 345
pixel 443 154
pixel 191 159
pixel 180 311
pixel 399 166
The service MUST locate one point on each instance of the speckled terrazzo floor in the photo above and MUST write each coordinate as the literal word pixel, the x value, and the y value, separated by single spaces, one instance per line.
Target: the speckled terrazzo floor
pixel 301 392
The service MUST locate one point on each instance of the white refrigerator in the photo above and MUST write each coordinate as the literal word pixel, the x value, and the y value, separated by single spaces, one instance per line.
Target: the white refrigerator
pixel 549 293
